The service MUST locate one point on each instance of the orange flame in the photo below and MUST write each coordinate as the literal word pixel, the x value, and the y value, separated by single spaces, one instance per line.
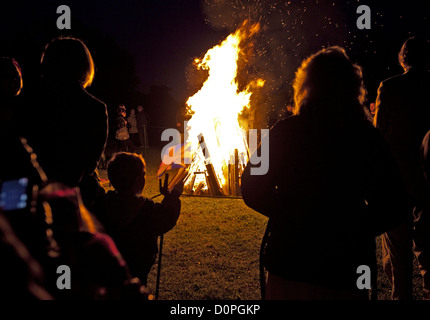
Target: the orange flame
pixel 215 110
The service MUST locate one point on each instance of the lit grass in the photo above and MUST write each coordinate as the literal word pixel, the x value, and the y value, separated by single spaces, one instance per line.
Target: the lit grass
pixel 212 253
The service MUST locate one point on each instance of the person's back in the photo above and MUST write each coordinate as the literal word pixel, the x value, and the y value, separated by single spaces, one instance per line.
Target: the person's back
pixel 319 218
pixel 403 117
pixel 329 188
pixel 72 134
pixel 132 122
pixel 19 165
pixel 14 163
pixel 69 128
pixel 133 221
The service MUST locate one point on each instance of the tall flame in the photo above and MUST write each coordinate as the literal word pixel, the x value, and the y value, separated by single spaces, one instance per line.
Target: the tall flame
pixel 215 110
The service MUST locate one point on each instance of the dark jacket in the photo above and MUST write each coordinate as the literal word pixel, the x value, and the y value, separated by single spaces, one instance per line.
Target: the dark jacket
pixel 329 191
pixel 403 118
pixel 68 131
pixel 134 223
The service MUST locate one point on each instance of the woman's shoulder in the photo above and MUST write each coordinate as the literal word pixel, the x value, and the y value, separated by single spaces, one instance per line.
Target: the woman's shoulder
pixel 286 123
pixel 92 103
pixel 93 99
pixel 369 130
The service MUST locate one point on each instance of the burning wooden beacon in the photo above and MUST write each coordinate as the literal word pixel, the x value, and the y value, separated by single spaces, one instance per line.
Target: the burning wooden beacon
pixel 202 179
pixel 214 136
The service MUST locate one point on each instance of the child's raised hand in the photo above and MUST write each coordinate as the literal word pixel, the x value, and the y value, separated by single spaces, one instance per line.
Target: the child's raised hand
pixel 164 189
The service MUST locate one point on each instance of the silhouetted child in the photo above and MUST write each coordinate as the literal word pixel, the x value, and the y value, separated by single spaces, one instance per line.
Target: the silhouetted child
pixel 133 221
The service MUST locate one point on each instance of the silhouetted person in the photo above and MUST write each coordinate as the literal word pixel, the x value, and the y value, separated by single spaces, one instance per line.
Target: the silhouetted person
pixel 98 271
pixel 134 133
pixel 70 126
pixel 141 126
pixel 13 154
pixel 403 118
pixel 20 274
pixel 421 229
pixel 372 108
pixel 10 88
pixel 133 221
pixel 20 172
pixel 21 277
pixel 122 135
pixel 331 188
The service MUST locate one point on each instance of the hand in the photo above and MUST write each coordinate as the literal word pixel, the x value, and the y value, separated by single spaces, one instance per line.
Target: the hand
pixel 164 190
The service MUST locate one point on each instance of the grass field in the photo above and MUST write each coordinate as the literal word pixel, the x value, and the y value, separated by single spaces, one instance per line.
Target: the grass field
pixel 213 252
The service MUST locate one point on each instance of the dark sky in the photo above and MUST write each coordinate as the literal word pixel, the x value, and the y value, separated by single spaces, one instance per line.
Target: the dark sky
pixel 161 35
pixel 164 35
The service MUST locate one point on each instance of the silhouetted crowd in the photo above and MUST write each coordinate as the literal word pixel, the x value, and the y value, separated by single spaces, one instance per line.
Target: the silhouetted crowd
pixel 338 178
pixel 55 215
pixel 130 131
pixel 336 182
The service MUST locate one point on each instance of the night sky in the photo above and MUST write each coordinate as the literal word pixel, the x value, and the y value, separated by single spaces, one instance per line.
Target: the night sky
pixel 162 37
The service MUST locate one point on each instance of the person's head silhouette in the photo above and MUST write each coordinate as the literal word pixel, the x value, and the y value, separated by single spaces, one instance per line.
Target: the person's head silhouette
pixel 67 61
pixel 328 82
pixel 127 173
pixel 10 87
pixel 10 77
pixel 414 54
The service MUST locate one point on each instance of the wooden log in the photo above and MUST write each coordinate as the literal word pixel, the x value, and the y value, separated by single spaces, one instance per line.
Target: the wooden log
pixel 179 177
pixel 199 188
pixel 189 187
pixel 209 185
pixel 236 173
pixel 231 184
pixel 225 172
pixel 212 179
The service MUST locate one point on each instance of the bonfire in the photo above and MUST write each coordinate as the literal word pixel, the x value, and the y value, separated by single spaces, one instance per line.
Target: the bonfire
pixel 216 142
